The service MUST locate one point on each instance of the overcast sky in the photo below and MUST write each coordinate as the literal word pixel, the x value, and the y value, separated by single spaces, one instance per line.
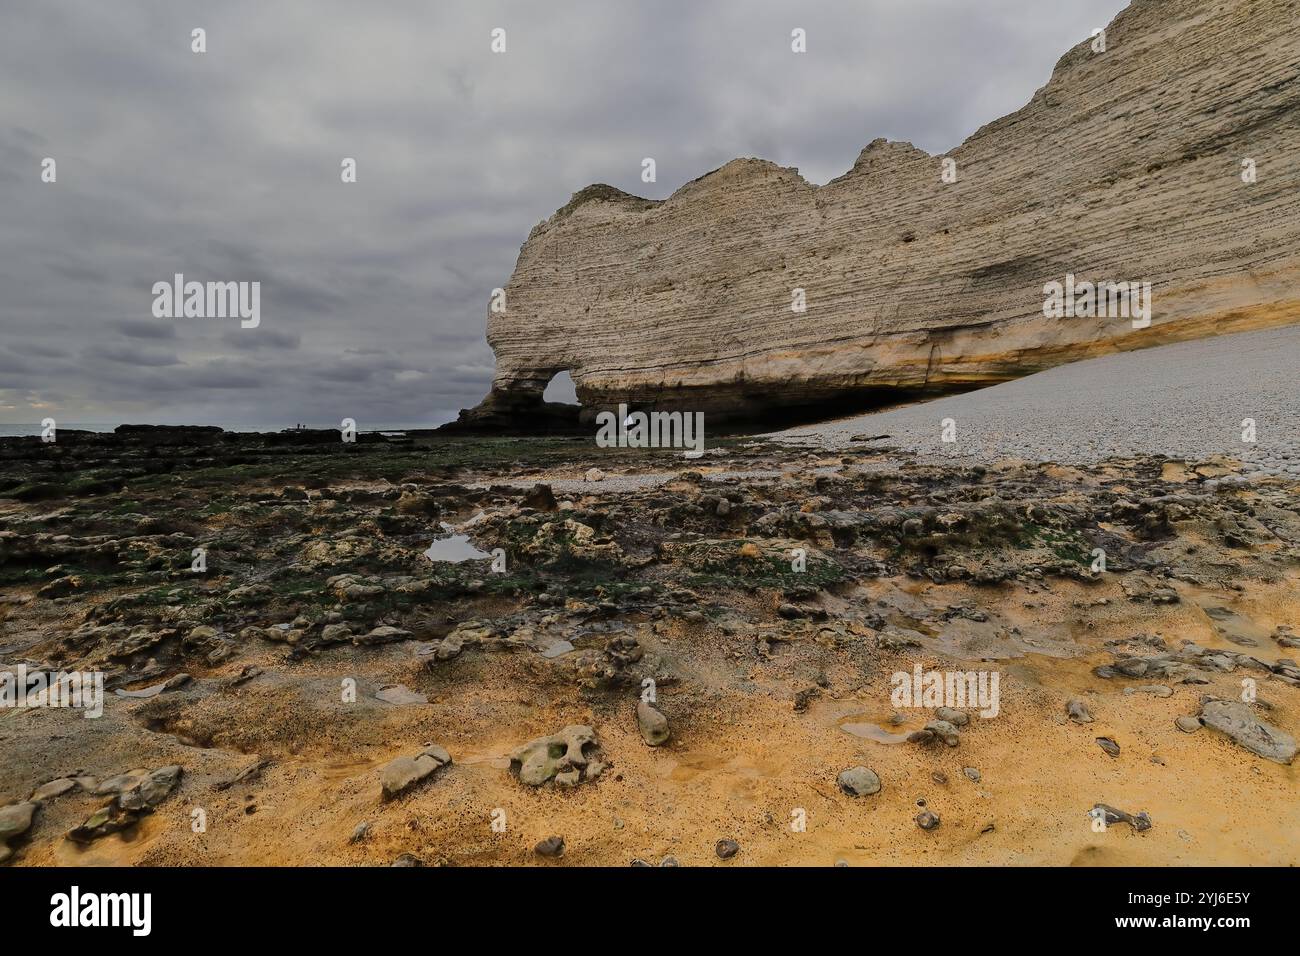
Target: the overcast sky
pixel 225 166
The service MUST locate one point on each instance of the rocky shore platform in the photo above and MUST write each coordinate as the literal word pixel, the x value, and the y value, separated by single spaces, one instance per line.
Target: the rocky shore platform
pixel 420 650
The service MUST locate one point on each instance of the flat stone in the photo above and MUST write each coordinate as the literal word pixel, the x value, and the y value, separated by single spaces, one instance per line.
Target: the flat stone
pixel 384 634
pixel 55 788
pixel 404 772
pixel 1239 724
pixel 558 649
pixel 400 694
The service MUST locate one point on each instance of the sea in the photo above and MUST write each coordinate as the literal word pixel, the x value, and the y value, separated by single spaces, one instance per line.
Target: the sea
pixel 384 427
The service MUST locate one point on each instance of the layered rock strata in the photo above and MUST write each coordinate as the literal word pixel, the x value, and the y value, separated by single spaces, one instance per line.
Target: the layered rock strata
pixel 1127 167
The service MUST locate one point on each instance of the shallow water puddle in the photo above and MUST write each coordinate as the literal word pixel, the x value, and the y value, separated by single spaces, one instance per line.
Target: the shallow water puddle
pixel 455 549
pixel 870 731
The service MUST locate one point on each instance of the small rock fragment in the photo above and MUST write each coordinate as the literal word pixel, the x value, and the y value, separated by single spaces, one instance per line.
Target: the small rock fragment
pixel 551 847
pixel 726 849
pixel 652 724
pixel 1078 712
pixel 859 782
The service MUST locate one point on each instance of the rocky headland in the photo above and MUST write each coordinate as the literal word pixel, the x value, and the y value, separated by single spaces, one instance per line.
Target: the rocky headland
pixel 1129 165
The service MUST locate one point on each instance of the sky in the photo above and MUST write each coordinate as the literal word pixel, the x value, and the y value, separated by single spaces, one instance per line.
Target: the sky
pixel 225 166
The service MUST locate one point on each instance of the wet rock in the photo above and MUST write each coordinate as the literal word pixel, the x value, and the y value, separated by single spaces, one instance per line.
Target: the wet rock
pixel 726 849
pixel 927 820
pixel 1236 720
pixel 551 847
pixel 1108 745
pixel 652 724
pixel 404 772
pixel 540 761
pixel 1078 712
pixel 859 782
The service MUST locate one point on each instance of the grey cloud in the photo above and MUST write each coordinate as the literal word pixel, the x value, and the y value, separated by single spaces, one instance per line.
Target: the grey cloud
pixel 225 166
pixel 133 355
pixel 264 339
pixel 146 328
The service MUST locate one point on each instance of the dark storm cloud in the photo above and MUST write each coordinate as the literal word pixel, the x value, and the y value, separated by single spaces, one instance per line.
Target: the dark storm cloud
pixel 225 167
pixel 145 329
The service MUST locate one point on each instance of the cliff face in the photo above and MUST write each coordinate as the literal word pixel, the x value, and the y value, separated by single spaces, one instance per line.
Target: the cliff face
pixel 1126 166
